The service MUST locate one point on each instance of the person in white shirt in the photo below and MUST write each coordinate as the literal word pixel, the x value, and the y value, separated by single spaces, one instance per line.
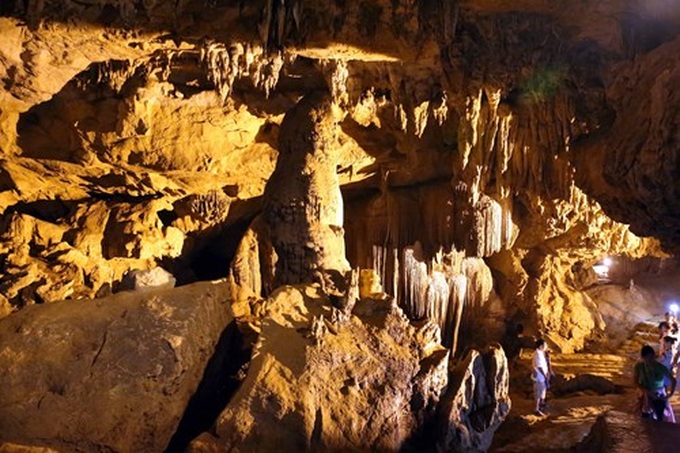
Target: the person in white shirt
pixel 540 375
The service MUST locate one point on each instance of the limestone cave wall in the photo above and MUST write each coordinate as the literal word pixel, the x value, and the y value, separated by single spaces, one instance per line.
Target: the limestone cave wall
pixel 482 149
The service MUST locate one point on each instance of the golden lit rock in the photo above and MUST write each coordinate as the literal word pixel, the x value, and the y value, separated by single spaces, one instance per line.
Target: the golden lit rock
pixel 433 172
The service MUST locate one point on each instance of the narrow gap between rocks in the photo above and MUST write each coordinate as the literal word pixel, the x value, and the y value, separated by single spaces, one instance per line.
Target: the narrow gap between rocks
pixel 221 380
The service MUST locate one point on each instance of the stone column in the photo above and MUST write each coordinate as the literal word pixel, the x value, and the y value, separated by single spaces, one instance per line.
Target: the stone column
pixel 303 204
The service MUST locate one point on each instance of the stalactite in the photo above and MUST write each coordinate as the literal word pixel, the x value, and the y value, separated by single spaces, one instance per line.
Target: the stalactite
pixel 451 332
pixel 440 108
pixel 425 262
pixel 421 113
pixel 226 64
pixel 279 19
pixel 402 118
pixel 112 73
pixel 437 299
pixel 446 288
pixel 416 281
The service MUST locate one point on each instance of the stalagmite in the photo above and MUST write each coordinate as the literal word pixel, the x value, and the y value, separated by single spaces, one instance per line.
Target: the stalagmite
pixel 303 204
pixel 467 166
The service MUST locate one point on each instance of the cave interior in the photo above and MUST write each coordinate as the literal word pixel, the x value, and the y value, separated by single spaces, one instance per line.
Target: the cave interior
pixel 263 225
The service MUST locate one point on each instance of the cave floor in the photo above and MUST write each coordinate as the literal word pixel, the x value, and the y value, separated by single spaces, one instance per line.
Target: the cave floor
pixel 570 418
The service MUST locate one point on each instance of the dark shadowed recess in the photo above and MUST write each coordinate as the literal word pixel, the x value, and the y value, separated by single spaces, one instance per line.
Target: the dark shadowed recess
pixel 215 249
pixel 207 254
pixel 220 382
pixel 46 210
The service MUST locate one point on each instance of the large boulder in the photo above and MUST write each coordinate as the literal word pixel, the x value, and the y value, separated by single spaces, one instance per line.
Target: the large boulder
pixel 113 374
pixel 476 403
pixel 325 380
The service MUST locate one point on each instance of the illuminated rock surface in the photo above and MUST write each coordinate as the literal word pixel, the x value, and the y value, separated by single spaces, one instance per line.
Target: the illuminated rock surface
pixel 477 403
pixel 321 381
pixel 112 374
pixel 474 161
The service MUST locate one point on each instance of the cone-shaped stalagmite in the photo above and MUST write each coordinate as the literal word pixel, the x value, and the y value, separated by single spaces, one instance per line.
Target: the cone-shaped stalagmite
pixel 303 203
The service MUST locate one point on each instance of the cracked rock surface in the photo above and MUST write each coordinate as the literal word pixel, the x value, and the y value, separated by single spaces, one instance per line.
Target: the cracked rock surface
pixel 114 374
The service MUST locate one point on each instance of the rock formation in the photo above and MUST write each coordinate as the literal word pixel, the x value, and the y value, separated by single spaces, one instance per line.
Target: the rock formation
pixel 303 204
pixel 368 382
pixel 476 403
pixel 500 134
pixel 618 430
pixel 113 374
pixel 470 160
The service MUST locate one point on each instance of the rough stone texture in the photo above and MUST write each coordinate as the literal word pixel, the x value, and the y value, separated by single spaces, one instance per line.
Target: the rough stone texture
pixel 563 385
pixel 508 132
pixel 145 280
pixel 632 168
pixel 618 432
pixel 253 268
pixel 114 374
pixel 62 251
pixel 303 204
pixel 476 403
pixel 322 383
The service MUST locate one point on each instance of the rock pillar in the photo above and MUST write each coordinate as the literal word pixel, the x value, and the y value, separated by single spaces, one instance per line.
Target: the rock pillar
pixel 303 204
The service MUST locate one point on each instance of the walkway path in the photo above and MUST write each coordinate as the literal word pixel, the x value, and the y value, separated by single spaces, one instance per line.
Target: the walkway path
pixel 571 417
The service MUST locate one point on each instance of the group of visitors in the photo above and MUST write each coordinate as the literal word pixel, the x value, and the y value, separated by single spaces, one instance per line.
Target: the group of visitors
pixel 655 373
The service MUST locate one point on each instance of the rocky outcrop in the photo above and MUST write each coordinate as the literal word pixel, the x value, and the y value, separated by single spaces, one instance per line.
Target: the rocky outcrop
pixel 632 168
pixel 60 250
pixel 114 374
pixel 324 380
pixel 476 403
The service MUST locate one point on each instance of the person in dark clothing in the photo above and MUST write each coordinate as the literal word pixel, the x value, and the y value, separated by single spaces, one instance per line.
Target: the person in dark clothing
pixel 515 341
pixel 650 378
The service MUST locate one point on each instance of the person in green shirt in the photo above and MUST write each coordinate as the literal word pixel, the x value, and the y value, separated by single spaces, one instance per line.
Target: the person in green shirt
pixel 649 379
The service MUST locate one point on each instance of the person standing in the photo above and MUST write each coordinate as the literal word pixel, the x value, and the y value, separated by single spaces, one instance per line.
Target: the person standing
pixel 540 375
pixel 664 331
pixel 667 358
pixel 650 379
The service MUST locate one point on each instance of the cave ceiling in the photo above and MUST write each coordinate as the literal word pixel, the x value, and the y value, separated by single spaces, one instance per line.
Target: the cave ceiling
pixel 400 69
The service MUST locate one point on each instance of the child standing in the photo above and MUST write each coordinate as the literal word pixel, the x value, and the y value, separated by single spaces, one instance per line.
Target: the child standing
pixel 540 375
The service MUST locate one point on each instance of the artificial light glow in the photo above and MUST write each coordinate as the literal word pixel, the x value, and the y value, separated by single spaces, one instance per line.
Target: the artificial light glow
pixel 674 307
pixel 607 261
pixel 601 270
